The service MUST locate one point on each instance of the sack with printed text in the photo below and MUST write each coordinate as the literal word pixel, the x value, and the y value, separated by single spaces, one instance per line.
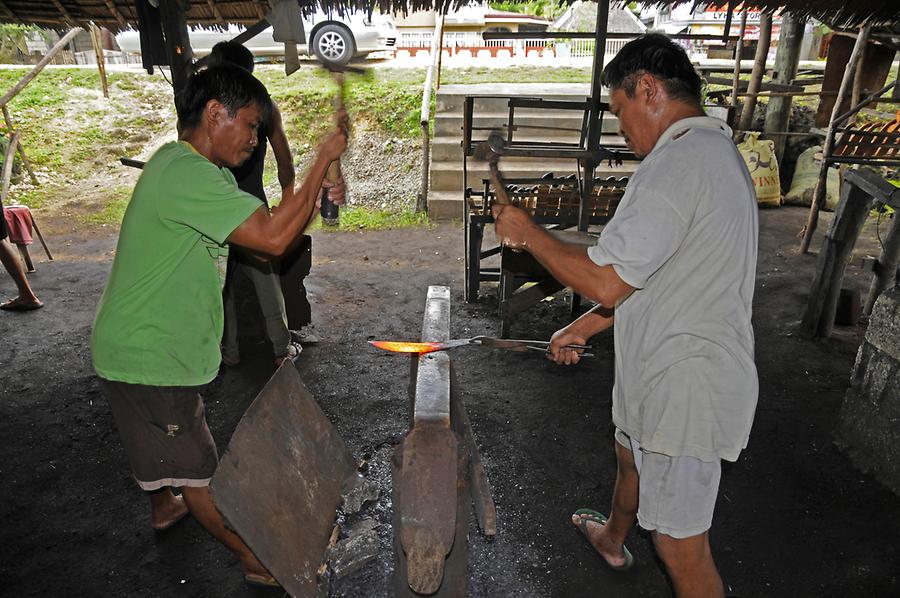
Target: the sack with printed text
pixel 759 156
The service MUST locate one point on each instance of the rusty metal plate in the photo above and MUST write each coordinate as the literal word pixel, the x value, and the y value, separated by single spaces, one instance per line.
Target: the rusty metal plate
pixel 279 483
pixel 427 514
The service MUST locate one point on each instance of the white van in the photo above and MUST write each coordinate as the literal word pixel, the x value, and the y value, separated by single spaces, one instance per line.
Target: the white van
pixel 329 37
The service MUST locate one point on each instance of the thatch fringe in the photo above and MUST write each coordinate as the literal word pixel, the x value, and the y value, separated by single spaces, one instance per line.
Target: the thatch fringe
pixel 117 14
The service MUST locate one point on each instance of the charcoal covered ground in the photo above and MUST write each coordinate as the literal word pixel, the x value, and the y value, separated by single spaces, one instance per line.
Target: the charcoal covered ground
pixel 794 518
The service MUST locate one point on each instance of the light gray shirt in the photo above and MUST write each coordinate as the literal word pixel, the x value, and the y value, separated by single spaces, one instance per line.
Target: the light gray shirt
pixel 685 235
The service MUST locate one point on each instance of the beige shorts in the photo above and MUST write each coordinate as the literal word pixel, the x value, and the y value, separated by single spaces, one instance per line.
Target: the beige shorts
pixel 677 495
pixel 164 432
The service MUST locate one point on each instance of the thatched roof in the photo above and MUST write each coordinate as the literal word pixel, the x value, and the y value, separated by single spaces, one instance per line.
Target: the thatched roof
pixel 121 14
pixel 838 13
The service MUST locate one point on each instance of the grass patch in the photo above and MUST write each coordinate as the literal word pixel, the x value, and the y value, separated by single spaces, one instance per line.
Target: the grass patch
pixel 364 219
pixel 114 210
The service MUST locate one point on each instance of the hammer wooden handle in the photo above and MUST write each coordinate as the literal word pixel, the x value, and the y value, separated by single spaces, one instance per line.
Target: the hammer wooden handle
pixel 500 195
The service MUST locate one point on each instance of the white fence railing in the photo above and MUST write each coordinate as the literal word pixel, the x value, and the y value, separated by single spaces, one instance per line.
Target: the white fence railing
pixel 474 45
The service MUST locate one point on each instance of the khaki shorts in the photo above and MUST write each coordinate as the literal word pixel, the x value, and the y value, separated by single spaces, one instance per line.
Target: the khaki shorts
pixel 677 495
pixel 164 432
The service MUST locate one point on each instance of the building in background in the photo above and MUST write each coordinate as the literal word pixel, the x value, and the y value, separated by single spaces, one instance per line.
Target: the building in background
pixel 463 27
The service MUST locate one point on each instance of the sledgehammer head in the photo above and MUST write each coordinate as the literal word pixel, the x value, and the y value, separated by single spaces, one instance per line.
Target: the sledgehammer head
pixel 490 150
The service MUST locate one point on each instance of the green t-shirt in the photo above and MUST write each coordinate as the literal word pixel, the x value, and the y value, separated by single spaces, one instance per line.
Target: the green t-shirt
pixel 160 318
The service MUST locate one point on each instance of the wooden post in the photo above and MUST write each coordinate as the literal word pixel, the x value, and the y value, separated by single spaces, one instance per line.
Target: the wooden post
pixel 10 129
pixel 178 46
pixel 738 52
pixel 778 112
pixel 101 59
pixel 849 218
pixel 819 194
pixel 759 67
pixel 8 166
pixel 62 43
pixel 886 270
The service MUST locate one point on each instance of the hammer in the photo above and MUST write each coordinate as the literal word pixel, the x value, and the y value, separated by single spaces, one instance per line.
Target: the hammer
pixel 329 210
pixel 491 151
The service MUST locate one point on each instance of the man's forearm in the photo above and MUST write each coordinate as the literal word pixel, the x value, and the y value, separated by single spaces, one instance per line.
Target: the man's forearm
pixel 593 321
pixel 296 211
pixel 570 265
pixel 286 177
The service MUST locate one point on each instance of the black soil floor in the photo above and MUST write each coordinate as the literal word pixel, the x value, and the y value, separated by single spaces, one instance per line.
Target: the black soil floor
pixel 794 518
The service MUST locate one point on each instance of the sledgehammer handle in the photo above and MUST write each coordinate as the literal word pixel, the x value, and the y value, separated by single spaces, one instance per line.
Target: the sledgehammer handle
pixel 330 211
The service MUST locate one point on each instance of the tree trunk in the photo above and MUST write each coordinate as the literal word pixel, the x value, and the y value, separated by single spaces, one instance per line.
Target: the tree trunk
pixel 778 113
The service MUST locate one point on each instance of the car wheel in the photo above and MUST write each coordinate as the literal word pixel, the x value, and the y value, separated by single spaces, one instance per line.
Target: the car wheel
pixel 333 43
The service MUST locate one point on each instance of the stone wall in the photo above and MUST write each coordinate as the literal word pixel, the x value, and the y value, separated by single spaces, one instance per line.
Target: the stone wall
pixel 869 428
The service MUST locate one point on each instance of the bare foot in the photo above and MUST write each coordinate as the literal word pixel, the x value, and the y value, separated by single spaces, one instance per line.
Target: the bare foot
pixel 167 514
pixel 592 525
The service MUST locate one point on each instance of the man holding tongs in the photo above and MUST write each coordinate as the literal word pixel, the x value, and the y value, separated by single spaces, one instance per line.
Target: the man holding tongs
pixel 675 270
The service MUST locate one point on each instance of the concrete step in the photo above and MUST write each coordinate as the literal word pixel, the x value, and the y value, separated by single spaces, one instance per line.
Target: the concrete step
pixel 445 149
pixel 448 176
pixel 446 123
pixel 446 205
pixel 451 97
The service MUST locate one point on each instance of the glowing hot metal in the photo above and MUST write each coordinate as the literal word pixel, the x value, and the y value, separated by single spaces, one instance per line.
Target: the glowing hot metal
pixel 404 347
pixel 478 341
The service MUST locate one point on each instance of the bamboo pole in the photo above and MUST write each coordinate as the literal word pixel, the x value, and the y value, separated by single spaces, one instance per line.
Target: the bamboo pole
pixel 437 84
pixel 25 160
pixel 4 100
pixel 857 79
pixel 425 118
pixel 101 59
pixel 812 219
pixel 737 60
pixel 759 66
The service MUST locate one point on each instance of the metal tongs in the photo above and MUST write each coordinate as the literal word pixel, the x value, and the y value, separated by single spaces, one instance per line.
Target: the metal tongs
pixel 508 344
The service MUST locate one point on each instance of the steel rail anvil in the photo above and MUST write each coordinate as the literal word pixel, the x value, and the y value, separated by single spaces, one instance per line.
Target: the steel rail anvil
pixel 434 469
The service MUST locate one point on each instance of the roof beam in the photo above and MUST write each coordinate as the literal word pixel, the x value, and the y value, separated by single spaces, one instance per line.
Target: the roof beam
pixel 6 10
pixel 64 12
pixel 115 11
pixel 215 9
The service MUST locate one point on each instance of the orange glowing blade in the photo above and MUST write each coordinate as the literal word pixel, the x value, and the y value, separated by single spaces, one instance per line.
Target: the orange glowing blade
pixel 404 347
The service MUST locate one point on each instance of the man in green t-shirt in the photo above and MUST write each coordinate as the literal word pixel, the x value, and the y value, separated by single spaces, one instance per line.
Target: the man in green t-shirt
pixel 157 331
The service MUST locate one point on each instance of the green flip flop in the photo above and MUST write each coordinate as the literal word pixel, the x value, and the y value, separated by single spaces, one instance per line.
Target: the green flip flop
pixel 600 519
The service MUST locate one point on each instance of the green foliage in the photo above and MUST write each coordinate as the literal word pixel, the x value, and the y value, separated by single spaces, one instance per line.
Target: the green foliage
pixel 13 41
pixel 546 9
pixel 72 133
